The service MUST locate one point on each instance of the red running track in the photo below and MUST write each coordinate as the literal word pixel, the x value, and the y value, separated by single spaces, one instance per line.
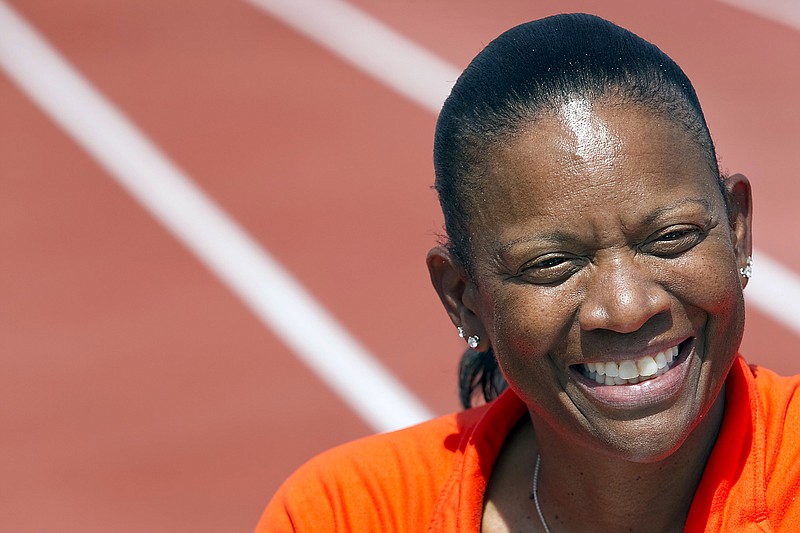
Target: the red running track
pixel 139 394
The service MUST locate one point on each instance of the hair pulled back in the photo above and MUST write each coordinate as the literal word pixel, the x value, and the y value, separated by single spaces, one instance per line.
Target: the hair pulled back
pixel 525 73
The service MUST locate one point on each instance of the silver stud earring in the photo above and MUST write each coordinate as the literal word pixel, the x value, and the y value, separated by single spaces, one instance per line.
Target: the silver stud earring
pixel 473 341
pixel 747 270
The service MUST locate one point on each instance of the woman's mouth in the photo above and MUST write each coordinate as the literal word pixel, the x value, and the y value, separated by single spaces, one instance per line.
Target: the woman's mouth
pixel 630 371
pixel 637 383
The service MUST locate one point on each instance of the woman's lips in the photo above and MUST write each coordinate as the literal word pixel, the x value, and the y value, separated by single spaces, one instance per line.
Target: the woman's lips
pixel 635 385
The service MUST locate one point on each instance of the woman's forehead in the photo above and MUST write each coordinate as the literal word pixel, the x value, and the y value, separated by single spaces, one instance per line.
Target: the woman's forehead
pixel 591 144
pixel 586 131
pixel 588 156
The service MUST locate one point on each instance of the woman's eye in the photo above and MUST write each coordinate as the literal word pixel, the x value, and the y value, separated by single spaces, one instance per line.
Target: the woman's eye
pixel 674 235
pixel 549 262
pixel 550 269
pixel 674 241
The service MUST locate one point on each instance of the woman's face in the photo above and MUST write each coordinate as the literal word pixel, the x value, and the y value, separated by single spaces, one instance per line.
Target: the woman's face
pixel 601 241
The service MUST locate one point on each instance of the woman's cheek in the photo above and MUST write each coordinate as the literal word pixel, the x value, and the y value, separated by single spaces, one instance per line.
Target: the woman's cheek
pixel 716 290
pixel 529 321
pixel 706 278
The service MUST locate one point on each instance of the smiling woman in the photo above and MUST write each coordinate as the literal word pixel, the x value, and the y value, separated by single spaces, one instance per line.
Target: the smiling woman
pixel 595 258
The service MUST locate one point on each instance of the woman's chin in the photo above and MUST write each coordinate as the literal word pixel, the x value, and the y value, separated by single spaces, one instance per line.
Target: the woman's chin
pixel 645 443
pixel 659 436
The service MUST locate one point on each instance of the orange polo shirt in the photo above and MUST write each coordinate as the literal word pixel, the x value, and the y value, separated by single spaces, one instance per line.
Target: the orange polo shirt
pixel 432 477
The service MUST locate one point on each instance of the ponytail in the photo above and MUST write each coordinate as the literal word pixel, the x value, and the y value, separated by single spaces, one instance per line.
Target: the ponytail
pixel 478 373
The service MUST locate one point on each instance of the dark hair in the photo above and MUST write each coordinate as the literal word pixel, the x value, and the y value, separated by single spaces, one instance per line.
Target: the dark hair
pixel 527 72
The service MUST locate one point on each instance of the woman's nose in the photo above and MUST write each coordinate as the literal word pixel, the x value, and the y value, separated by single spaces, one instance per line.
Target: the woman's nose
pixel 622 296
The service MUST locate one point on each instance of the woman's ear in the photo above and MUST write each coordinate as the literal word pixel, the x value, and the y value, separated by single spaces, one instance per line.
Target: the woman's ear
pixel 740 212
pixel 456 290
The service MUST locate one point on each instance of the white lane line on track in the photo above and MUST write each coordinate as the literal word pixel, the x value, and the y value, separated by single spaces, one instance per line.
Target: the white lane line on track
pixel 270 292
pixel 775 290
pixel 370 45
pixel 394 60
pixel 785 12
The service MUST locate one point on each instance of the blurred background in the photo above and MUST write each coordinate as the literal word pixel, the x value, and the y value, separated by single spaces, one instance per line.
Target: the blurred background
pixel 213 223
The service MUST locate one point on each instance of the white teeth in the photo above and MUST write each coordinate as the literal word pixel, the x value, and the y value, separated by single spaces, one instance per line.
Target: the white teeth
pixel 631 372
pixel 628 370
pixel 647 366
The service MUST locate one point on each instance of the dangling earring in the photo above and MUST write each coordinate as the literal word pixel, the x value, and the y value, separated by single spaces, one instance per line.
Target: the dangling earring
pixel 747 270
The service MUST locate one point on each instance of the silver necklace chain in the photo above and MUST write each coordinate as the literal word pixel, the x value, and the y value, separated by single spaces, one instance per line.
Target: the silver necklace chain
pixel 535 492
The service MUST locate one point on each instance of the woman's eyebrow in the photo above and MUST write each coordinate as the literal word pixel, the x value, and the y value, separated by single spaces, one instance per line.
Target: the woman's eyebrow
pixel 659 212
pixel 559 237
pixel 555 237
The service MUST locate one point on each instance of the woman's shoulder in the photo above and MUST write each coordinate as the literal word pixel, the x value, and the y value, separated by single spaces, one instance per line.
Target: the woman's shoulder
pixel 777 407
pixel 390 480
pixel 434 439
pixel 776 392
pixel 779 399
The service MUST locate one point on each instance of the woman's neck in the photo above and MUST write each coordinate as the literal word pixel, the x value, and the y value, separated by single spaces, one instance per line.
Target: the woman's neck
pixel 580 490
